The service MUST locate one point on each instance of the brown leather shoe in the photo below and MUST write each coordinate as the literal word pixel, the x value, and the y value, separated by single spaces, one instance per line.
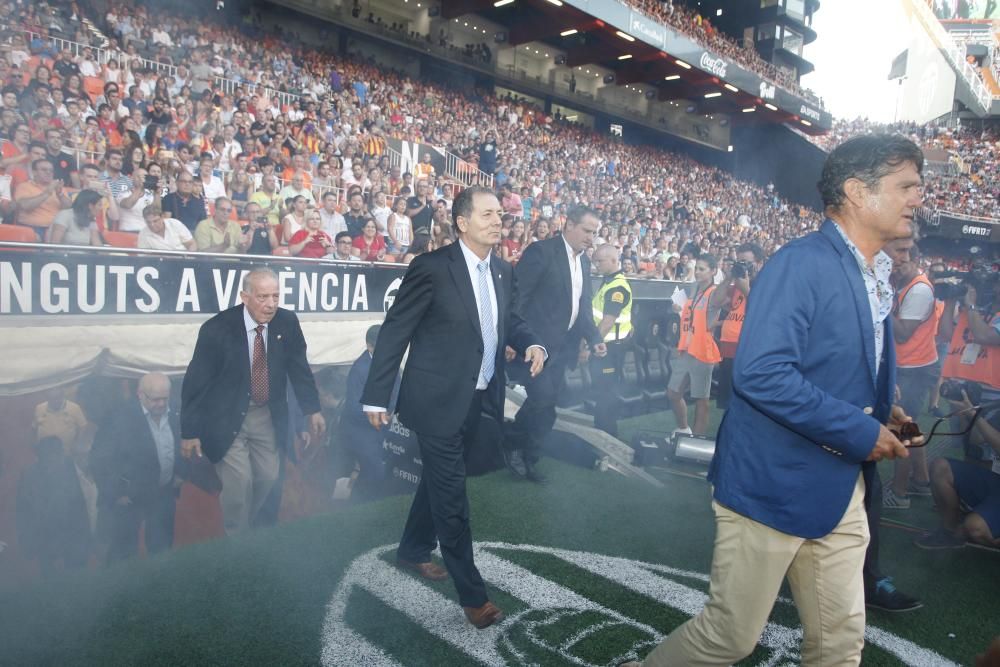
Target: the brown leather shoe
pixel 426 570
pixel 483 617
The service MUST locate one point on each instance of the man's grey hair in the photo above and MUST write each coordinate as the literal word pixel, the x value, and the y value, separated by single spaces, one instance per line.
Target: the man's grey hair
pixel 257 274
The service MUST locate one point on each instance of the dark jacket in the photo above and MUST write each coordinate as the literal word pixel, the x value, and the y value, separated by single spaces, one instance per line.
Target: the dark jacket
pixel 124 461
pixel 435 314
pixel 215 395
pixel 544 296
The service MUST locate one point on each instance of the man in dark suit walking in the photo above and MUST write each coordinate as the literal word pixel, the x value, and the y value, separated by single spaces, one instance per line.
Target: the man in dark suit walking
pixel 234 408
pixel 553 296
pixel 454 312
pixel 136 465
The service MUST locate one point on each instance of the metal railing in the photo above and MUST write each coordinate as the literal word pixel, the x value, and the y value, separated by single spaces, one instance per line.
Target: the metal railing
pixel 955 54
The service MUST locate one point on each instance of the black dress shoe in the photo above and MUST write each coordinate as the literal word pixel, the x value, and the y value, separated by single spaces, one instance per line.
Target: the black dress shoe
pixel 517 464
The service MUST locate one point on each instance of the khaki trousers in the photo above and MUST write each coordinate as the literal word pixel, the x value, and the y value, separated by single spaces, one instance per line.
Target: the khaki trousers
pixel 748 565
pixel 248 470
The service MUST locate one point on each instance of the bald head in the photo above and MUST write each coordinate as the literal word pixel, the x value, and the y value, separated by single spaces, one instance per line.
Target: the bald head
pixel 605 259
pixel 154 393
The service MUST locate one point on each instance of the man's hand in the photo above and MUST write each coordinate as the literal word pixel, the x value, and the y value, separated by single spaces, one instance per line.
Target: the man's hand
pixel 509 353
pixel 378 419
pixel 535 356
pixel 897 417
pixel 887 446
pixel 601 349
pixel 317 426
pixel 189 447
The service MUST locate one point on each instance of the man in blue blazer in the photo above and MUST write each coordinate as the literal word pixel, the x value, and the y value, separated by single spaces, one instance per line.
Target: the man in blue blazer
pixel 814 380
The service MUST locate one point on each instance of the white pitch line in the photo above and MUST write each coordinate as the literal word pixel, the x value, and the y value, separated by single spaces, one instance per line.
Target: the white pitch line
pixel 431 610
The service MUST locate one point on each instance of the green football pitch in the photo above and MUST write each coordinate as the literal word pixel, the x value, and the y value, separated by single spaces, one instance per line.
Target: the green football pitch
pixel 591 568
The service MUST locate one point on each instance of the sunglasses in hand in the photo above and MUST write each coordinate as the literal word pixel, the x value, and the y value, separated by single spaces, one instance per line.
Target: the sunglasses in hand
pixel 911 430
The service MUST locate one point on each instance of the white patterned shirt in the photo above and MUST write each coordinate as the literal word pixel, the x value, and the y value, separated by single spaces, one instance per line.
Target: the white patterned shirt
pixel 880 292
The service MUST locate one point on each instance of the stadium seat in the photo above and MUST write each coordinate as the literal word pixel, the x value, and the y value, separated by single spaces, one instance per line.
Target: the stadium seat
pixel 121 239
pixel 18 233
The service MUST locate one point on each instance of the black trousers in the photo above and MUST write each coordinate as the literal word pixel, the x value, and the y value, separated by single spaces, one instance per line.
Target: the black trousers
pixel 873 508
pixel 124 521
pixel 606 383
pixel 440 510
pixel 537 415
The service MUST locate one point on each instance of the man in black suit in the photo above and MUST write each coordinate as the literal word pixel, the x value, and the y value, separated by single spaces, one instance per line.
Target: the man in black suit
pixel 136 465
pixel 454 312
pixel 553 296
pixel 234 407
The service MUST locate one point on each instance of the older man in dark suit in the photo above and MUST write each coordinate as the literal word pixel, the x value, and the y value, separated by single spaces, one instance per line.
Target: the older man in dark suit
pixel 553 296
pixel 454 312
pixel 234 408
pixel 136 465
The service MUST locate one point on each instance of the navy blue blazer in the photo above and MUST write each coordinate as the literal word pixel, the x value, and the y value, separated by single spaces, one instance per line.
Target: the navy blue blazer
pixel 807 403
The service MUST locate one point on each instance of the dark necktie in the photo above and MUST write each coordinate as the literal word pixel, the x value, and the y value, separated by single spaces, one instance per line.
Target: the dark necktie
pixel 259 391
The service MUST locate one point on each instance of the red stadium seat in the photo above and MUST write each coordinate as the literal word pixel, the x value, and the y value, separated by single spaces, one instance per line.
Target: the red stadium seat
pixel 18 233
pixel 121 239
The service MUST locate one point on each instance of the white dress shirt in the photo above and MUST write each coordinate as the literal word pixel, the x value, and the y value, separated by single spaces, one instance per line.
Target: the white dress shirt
pixel 472 262
pixel 163 438
pixel 251 328
pixel 576 279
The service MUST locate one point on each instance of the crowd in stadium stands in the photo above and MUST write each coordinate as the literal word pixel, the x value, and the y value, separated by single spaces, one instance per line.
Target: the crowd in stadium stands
pixel 700 28
pixel 181 160
pixel 963 171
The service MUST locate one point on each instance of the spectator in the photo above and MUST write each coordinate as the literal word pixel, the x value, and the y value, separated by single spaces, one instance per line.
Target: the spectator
pixel 138 469
pixel 164 233
pixel 369 246
pixel 333 221
pixel 183 204
pixel 343 248
pixel 297 188
pixel 62 161
pixel 267 198
pixel 356 215
pixel 295 220
pixel 219 233
pixel 212 186
pixel 132 202
pixel 77 225
pixel 419 208
pixel 263 239
pixel 38 200
pixel 311 241
pixel 488 154
pixel 381 212
pixel 50 511
pixel 400 228
pixel 512 246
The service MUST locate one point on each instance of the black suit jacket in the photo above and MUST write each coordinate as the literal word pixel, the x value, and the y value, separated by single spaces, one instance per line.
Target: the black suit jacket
pixel 435 314
pixel 544 296
pixel 124 459
pixel 216 390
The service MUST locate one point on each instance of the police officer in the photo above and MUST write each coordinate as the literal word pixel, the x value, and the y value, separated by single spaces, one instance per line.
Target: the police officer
pixel 612 306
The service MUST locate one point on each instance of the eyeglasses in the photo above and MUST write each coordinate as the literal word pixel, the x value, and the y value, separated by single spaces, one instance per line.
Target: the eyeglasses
pixel 910 430
pixel 224 209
